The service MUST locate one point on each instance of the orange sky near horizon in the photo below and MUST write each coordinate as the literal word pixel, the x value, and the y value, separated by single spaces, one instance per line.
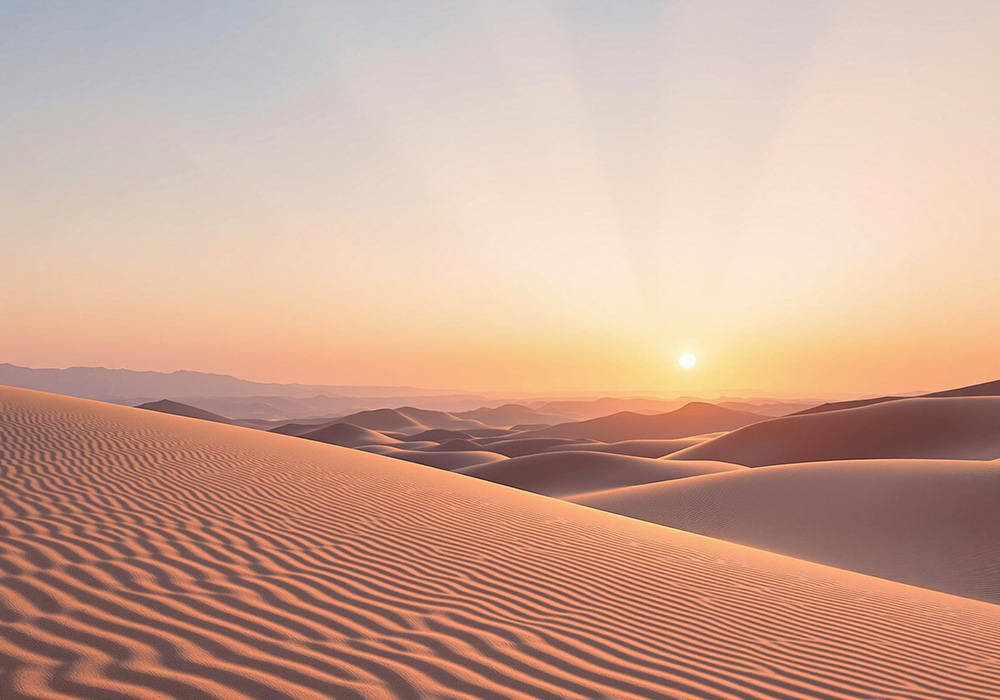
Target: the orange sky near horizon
pixel 521 196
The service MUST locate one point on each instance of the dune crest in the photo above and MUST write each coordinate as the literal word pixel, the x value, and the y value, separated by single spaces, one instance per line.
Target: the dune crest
pixel 933 524
pixel 180 409
pixel 695 418
pixel 563 474
pixel 150 556
pixel 917 428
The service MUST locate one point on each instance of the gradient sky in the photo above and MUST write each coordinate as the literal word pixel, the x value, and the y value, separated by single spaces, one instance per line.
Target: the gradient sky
pixel 512 195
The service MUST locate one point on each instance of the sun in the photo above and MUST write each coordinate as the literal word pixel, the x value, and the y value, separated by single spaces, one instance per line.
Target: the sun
pixel 687 360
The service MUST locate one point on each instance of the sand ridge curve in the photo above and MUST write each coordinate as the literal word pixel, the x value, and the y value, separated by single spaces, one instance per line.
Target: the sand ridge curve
pixel 152 556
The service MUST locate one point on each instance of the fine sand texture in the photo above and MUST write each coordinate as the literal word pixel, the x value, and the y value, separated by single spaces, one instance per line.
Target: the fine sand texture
pixel 920 428
pixel 934 524
pixel 154 557
pixel 564 474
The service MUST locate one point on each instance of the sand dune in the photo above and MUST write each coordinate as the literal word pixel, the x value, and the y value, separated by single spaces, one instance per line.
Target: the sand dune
pixel 446 460
pixel 180 409
pixel 841 405
pixel 511 414
pixel 348 435
pixel 562 474
pixel 518 447
pixel 919 428
pixel 441 435
pixel 456 445
pixel 693 419
pixel 378 449
pixel 409 420
pixel 147 556
pixel 440 419
pixel 384 419
pixel 585 409
pixel 635 448
pixel 770 409
pixel 984 389
pixel 934 524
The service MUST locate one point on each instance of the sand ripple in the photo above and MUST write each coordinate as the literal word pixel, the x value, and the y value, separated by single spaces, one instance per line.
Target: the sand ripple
pixel 153 556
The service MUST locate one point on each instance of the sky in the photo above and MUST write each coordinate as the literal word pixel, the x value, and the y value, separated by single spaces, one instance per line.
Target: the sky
pixel 518 195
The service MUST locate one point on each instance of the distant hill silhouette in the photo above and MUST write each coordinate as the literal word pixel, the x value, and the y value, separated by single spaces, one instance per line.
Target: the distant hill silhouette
pixel 106 384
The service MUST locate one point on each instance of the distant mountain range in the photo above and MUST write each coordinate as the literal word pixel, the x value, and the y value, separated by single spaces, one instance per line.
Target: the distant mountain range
pixel 119 385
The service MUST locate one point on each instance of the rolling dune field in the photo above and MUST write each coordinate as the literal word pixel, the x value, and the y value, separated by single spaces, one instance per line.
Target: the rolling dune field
pixel 152 556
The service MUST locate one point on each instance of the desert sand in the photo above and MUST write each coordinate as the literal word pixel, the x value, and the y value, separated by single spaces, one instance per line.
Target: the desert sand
pixel 441 460
pixel 653 449
pixel 153 556
pixel 181 409
pixel 563 474
pixel 409 420
pixel 349 435
pixel 695 418
pixel 918 428
pixel 518 447
pixel 928 523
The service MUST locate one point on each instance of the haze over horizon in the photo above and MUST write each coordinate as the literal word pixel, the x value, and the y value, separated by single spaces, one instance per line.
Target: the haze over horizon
pixel 520 196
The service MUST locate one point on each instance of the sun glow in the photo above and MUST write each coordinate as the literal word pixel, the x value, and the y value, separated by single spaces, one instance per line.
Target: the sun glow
pixel 687 360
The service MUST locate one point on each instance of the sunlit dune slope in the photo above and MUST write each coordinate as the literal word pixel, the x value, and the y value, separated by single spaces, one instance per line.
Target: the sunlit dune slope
pixel 693 419
pixel 934 524
pixel 565 473
pixel 921 428
pixel 152 556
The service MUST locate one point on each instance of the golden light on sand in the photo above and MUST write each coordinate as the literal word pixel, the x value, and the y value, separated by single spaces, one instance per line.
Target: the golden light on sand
pixel 687 360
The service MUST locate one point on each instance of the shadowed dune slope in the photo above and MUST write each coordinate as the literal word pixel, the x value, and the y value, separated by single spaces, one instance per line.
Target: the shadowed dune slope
pixel 456 445
pixel 779 408
pixel 439 435
pixel 518 447
pixel 841 405
pixel 182 409
pixel 934 524
pixel 920 428
pixel 445 460
pixel 693 419
pixel 563 474
pixel 409 420
pixel 151 557
pixel 634 448
pixel 384 419
pixel 512 414
pixel 440 419
pixel 984 389
pixel 348 435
